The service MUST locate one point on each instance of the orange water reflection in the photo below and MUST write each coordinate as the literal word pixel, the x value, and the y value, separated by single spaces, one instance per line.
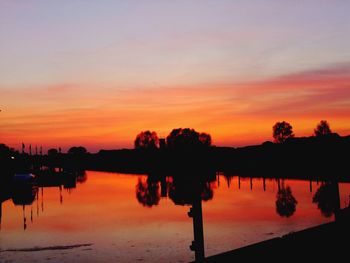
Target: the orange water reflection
pixel 106 212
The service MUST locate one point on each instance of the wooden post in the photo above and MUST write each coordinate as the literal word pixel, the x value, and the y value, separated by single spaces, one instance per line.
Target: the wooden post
pixel 198 243
pixel 264 184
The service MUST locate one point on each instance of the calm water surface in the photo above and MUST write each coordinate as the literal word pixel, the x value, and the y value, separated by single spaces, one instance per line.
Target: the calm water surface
pixel 120 217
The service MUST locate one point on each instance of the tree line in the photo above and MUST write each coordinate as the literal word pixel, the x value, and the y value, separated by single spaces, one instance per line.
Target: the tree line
pixel 183 138
pixel 189 138
pixel 180 138
pixel 282 131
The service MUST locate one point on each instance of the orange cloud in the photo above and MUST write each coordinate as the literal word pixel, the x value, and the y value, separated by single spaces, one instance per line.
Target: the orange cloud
pixel 234 113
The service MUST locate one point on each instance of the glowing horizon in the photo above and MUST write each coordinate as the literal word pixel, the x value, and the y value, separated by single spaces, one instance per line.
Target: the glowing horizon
pixel 97 74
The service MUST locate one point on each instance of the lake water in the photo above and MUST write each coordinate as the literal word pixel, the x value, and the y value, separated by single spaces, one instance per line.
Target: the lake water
pixel 112 217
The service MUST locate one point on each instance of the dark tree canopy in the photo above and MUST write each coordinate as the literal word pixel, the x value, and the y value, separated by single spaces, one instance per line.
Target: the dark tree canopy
pixel 205 139
pixel 80 150
pixel 286 202
pixel 282 131
pixel 52 152
pixel 322 129
pixel 187 138
pixel 4 149
pixel 146 140
pixel 5 153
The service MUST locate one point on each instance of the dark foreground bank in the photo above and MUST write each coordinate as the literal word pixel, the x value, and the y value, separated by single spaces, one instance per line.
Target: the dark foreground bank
pixel 325 243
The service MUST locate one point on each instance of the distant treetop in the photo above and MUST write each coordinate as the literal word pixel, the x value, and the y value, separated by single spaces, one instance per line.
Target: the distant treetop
pixel 52 152
pixel 146 140
pixel 187 138
pixel 322 129
pixel 6 151
pixel 282 131
pixel 80 150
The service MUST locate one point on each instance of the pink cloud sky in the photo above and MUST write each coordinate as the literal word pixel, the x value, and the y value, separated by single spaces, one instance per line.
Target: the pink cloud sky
pixel 234 113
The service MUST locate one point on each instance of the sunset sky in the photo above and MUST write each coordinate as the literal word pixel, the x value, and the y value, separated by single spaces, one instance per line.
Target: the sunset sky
pixel 96 73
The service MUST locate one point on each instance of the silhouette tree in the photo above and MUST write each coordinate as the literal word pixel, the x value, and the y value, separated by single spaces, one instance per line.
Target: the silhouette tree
pixel 205 139
pixel 146 140
pixel 285 203
pixel 147 193
pixel 5 152
pixel 187 138
pixel 326 200
pixel 322 129
pixel 282 131
pixel 80 150
pixel 52 152
pixel 8 162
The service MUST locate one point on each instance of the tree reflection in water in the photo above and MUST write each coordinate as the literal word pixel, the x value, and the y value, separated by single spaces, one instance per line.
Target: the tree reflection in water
pixel 286 202
pixel 183 189
pixel 326 198
pixel 192 190
pixel 147 192
pixel 81 176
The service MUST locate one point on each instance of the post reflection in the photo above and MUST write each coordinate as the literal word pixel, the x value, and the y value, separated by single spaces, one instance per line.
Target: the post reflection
pixel 187 189
pixel 233 207
pixel 195 213
pixel 326 196
pixel 26 194
pixel 190 190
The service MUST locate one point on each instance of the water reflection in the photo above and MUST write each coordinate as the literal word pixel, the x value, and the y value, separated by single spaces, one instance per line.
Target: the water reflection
pixel 190 190
pixel 327 198
pixel 219 209
pixel 185 189
pixel 25 194
pixel 196 213
pixel 286 202
pixel 147 192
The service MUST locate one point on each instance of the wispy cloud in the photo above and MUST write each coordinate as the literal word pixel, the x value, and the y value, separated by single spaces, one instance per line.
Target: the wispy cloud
pixel 234 113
